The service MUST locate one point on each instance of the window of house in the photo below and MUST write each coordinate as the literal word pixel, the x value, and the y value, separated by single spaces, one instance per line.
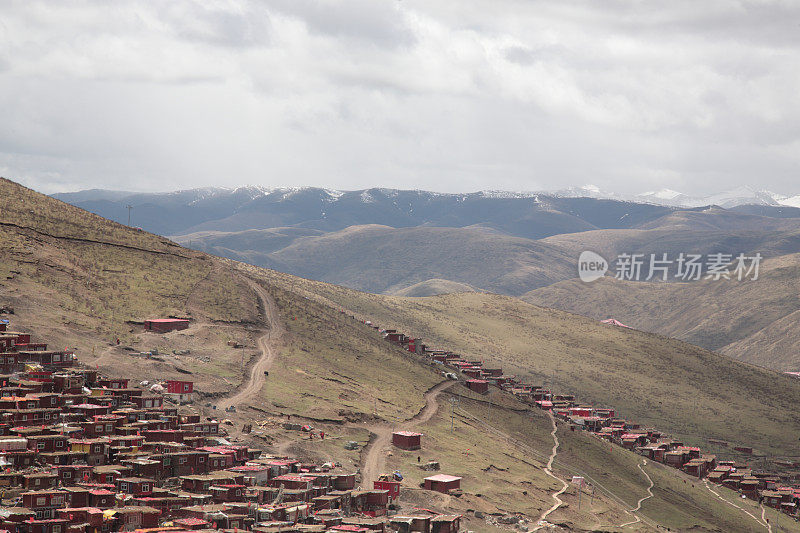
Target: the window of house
pixel 37 481
pixel 201 459
pixel 108 427
pixel 67 474
pixel 56 528
pixel 181 460
pixel 98 449
pixel 40 445
pixel 145 487
pixel 59 444
pixel 40 501
pixel 123 486
pixel 98 429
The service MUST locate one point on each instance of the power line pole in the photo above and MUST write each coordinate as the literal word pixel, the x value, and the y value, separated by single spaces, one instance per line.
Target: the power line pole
pixel 129 208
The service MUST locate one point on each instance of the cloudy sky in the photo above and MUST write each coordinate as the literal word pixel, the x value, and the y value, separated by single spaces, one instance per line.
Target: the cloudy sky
pixel 449 95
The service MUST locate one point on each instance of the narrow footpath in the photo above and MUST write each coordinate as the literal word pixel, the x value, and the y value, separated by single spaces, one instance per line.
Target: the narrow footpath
pixel 639 503
pixel 762 521
pixel 548 469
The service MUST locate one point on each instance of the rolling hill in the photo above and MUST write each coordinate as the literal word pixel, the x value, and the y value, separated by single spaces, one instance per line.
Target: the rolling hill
pixel 82 281
pixel 418 243
pixel 750 320
pixel 381 259
pixel 693 393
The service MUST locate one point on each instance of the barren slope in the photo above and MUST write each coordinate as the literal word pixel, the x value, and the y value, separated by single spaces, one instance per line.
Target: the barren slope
pixel 690 392
pixel 753 321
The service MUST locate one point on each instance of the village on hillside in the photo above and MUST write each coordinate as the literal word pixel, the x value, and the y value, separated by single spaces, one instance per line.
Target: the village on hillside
pixel 82 452
pixel 87 453
pixel 779 490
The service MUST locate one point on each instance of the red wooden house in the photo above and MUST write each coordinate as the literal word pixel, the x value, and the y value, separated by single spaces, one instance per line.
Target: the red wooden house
pixel 165 325
pixel 442 483
pixel 478 385
pixel 407 440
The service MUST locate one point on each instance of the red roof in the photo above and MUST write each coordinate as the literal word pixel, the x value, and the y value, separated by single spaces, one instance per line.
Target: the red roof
pixel 191 521
pixel 443 478
pixel 290 477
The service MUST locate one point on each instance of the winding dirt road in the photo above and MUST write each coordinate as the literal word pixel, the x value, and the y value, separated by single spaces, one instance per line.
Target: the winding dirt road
pixel 548 469
pixel 374 460
pixel 256 379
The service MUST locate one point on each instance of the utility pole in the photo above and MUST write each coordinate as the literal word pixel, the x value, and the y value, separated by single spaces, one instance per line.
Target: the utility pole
pixel 453 402
pixel 129 208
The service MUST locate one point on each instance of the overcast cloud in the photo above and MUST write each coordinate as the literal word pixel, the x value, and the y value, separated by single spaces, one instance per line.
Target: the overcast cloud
pixel 449 95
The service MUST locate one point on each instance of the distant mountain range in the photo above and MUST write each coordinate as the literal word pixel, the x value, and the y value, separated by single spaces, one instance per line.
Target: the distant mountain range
pixel 566 210
pixel 529 215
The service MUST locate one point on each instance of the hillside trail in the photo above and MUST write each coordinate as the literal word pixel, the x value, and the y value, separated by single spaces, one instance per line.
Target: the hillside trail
pixel 638 507
pixel 762 521
pixel 764 517
pixel 374 460
pixel 256 379
pixel 548 469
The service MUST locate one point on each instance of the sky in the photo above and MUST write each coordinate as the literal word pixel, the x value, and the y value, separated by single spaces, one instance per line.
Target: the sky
pixel 446 95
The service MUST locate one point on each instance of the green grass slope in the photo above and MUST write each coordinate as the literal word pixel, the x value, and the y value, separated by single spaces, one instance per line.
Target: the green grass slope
pixel 694 394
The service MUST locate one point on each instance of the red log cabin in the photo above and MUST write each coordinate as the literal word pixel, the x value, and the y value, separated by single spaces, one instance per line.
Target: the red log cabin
pixel 442 483
pixel 165 325
pixel 481 386
pixel 407 440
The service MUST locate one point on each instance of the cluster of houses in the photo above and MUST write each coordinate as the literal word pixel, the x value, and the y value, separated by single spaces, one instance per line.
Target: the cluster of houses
pixel 769 488
pixel 84 453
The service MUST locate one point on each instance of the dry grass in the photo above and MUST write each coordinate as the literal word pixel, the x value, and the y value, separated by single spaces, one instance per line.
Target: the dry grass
pixel 81 294
pixel 689 392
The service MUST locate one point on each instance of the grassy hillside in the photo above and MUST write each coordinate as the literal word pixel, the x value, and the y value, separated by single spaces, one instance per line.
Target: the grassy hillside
pixel 690 392
pixel 79 280
pixel 383 259
pixel 432 287
pixel 753 321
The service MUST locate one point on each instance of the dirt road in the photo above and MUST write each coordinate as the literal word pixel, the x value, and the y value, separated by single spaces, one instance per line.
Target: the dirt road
pixel 255 380
pixel 374 460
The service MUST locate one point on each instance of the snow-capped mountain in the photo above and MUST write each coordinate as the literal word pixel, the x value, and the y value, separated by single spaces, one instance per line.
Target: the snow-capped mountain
pixel 672 198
